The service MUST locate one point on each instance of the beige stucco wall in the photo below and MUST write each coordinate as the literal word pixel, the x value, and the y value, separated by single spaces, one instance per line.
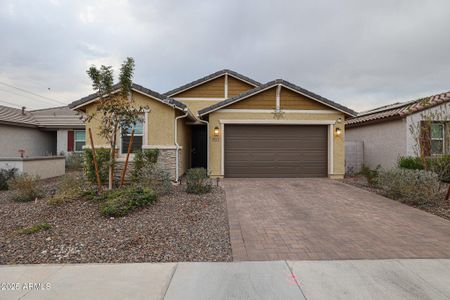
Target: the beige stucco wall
pixel 383 142
pixel 196 104
pixel 184 140
pixel 159 125
pixel 45 168
pixel 35 142
pixel 215 144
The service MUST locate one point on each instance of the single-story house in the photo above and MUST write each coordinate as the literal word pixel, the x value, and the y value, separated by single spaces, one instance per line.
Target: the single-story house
pixel 42 132
pixel 237 127
pixel 392 131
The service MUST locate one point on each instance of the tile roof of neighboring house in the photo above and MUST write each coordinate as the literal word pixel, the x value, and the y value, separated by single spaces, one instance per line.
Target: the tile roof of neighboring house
pixel 56 117
pixel 271 84
pixel 15 116
pixel 210 77
pixel 397 110
pixel 136 87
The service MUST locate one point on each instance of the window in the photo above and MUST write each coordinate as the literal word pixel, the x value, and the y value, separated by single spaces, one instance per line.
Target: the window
pixel 137 140
pixel 79 140
pixel 437 138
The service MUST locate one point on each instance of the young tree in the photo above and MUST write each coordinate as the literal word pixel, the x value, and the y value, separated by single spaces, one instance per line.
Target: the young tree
pixel 116 110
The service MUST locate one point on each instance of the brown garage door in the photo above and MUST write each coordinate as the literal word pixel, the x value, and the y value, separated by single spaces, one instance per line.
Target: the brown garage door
pixel 275 151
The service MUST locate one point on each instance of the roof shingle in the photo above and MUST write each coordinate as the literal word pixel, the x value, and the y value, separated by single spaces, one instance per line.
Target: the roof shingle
pixel 398 110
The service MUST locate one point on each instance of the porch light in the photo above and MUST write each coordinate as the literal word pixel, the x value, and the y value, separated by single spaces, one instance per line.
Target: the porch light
pixel 216 131
pixel 338 131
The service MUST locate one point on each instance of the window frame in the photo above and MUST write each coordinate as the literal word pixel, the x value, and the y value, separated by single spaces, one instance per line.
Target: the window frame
pixel 442 139
pixel 121 150
pixel 75 140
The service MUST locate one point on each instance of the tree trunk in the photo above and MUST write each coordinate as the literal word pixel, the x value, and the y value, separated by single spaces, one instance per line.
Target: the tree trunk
pixel 112 159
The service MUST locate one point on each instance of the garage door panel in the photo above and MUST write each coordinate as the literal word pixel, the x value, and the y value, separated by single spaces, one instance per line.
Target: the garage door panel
pixel 275 151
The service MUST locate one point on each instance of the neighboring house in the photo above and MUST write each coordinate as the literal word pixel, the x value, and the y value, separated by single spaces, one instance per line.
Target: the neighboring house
pixel 386 131
pixel 42 132
pixel 236 127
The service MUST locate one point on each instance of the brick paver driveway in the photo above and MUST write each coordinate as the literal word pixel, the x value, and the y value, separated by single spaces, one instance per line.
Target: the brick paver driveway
pixel 301 219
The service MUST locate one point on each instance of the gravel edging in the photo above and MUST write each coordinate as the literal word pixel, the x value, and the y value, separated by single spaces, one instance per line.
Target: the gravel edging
pixel 178 227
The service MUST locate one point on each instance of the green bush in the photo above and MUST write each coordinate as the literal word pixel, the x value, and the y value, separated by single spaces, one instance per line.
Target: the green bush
pixel 26 188
pixel 74 161
pixel 102 156
pixel 197 181
pixel 410 186
pixel 156 178
pixel 69 188
pixel 6 175
pixel 143 159
pixel 35 228
pixel 120 202
pixel 370 174
pixel 441 166
pixel 410 162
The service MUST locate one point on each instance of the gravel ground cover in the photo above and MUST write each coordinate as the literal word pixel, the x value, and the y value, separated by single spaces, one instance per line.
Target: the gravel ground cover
pixel 178 227
pixel 442 210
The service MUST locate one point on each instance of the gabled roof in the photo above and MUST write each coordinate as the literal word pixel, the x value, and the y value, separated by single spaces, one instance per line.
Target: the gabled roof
pixel 136 87
pixel 211 77
pixel 15 116
pixel 269 85
pixel 56 117
pixel 397 110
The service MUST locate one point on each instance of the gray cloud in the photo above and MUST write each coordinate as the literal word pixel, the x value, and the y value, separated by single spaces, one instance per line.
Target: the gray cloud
pixel 360 53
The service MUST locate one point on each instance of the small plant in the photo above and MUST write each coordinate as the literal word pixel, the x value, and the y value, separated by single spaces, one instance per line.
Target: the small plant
pixel 35 228
pixel 6 175
pixel 441 166
pixel 102 156
pixel 74 161
pixel 370 174
pixel 143 159
pixel 69 188
pixel 410 186
pixel 197 181
pixel 26 188
pixel 156 178
pixel 120 202
pixel 410 162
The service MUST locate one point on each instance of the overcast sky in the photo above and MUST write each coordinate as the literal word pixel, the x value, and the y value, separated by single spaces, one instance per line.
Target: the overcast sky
pixel 361 54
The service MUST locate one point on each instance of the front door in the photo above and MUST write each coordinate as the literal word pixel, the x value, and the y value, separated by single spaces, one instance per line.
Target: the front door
pixel 199 152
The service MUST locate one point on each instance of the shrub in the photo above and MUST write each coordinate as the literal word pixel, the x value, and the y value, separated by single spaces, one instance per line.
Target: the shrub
pixel 120 202
pixel 410 162
pixel 370 174
pixel 35 228
pixel 441 166
pixel 74 161
pixel 197 181
pixel 102 156
pixel 26 188
pixel 410 186
pixel 156 178
pixel 143 159
pixel 5 176
pixel 69 188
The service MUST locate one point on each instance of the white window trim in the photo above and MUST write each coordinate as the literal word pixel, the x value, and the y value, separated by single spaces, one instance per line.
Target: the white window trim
pixel 330 137
pixel 75 141
pixel 442 125
pixel 143 134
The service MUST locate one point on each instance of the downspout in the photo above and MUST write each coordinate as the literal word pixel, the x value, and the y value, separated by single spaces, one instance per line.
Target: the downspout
pixel 177 158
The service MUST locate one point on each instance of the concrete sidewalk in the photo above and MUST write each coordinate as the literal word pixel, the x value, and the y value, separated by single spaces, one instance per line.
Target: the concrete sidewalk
pixel 360 279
